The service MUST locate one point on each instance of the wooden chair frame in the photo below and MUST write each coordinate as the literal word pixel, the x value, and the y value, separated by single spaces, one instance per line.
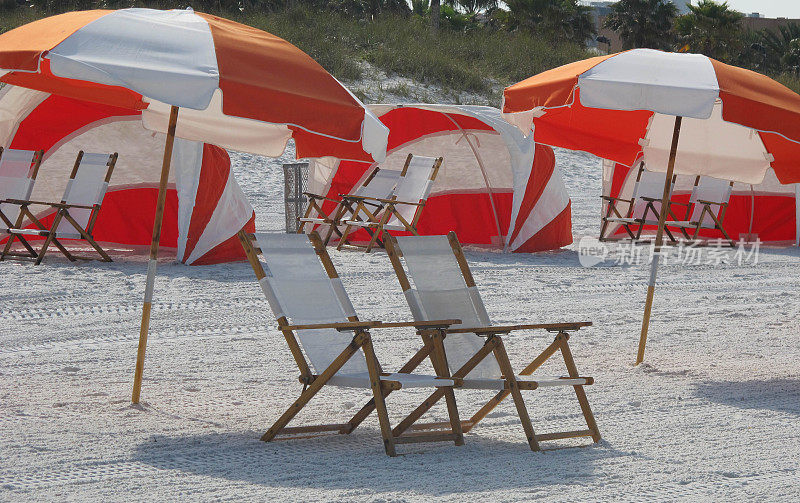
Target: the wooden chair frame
pixel 494 346
pixel 697 225
pixel 62 213
pixel 431 332
pixel 344 207
pixel 379 215
pixel 31 252
pixel 613 213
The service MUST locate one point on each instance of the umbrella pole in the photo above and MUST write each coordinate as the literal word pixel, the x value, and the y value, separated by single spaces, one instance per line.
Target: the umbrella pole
pixel 651 286
pixel 152 263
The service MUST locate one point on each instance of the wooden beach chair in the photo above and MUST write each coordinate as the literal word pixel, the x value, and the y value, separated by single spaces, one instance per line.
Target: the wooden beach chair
pixel 401 212
pixel 379 185
pixel 18 170
pixel 643 208
pixel 79 207
pixel 706 208
pixel 443 286
pixel 330 345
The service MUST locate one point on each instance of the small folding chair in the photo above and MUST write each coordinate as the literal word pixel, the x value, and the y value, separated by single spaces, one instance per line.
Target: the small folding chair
pixel 79 207
pixel 18 170
pixel 443 286
pixel 401 212
pixel 707 192
pixel 380 184
pixel 330 345
pixel 644 206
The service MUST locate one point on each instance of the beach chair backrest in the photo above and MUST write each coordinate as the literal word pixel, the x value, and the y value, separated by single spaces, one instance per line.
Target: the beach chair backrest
pixel 18 169
pixel 87 185
pixel 440 292
pixel 709 189
pixel 298 287
pixel 415 185
pixel 380 184
pixel 649 184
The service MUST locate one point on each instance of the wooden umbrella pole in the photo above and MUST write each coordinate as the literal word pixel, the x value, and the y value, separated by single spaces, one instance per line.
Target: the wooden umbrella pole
pixel 152 263
pixel 651 286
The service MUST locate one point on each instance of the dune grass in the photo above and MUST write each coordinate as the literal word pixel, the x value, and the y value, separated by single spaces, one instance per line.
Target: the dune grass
pixel 480 61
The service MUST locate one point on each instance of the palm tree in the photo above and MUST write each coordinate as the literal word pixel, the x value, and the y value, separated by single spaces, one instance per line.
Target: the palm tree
pixel 565 19
pixel 778 47
pixel 711 28
pixel 473 6
pixel 643 23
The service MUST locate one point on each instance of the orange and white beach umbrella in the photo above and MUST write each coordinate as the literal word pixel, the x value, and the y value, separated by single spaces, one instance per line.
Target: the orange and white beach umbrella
pixel 235 86
pixel 681 113
pixel 736 123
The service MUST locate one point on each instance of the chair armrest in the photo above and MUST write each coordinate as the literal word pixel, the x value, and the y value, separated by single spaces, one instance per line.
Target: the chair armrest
pixel 709 202
pixel 317 196
pixel 344 326
pixel 387 201
pixel 653 199
pixel 55 205
pixel 504 329
pixel 615 199
pixel 419 324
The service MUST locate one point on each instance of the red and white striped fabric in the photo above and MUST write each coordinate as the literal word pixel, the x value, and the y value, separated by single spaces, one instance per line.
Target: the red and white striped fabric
pixel 237 86
pixel 737 124
pixel 768 211
pixel 204 202
pixel 495 187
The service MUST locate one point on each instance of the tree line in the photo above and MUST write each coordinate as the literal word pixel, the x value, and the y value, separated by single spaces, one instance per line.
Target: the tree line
pixel 710 27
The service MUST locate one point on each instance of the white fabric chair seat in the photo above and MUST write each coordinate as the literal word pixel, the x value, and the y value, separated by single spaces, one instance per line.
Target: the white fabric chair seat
pixel 361 380
pixel 312 219
pixel 40 232
pixel 542 381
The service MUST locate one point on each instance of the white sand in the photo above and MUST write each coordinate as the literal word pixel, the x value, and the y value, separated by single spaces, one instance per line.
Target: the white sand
pixel 713 414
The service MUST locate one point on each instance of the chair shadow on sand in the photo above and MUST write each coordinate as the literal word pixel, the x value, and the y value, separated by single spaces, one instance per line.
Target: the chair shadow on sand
pixel 357 462
pixel 780 395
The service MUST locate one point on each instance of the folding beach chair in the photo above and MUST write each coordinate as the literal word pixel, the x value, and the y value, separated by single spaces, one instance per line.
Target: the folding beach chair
pixel 379 185
pixel 314 313
pixel 443 286
pixel 644 206
pixel 706 207
pixel 79 207
pixel 18 170
pixel 401 212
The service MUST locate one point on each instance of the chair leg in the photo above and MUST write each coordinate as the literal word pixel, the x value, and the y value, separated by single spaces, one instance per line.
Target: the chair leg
pixel 378 231
pixel 580 393
pixel 367 409
pixel 380 401
pixel 85 235
pixel 314 388
pixel 505 366
pixel 50 237
pixel 439 361
pixel 343 241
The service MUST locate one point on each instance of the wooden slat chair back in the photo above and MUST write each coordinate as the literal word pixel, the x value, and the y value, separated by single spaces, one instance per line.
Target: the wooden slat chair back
pixel 443 286
pixel 380 184
pixel 402 211
pixel 644 206
pixel 706 207
pixel 330 345
pixel 18 170
pixel 77 212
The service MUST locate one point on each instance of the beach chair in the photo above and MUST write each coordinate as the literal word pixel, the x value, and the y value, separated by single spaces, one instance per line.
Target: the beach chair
pixel 401 212
pixel 706 208
pixel 643 208
pixel 79 207
pixel 330 345
pixel 444 286
pixel 18 170
pixel 379 185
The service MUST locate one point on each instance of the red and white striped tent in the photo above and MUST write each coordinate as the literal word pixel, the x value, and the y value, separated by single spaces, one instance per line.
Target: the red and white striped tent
pixel 495 188
pixel 768 211
pixel 204 203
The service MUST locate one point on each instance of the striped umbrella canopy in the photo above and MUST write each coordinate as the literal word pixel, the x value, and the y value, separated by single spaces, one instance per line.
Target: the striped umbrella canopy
pixel 682 113
pixel 235 86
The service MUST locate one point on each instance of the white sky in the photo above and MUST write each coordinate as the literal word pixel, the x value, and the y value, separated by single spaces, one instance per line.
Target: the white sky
pixel 767 8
